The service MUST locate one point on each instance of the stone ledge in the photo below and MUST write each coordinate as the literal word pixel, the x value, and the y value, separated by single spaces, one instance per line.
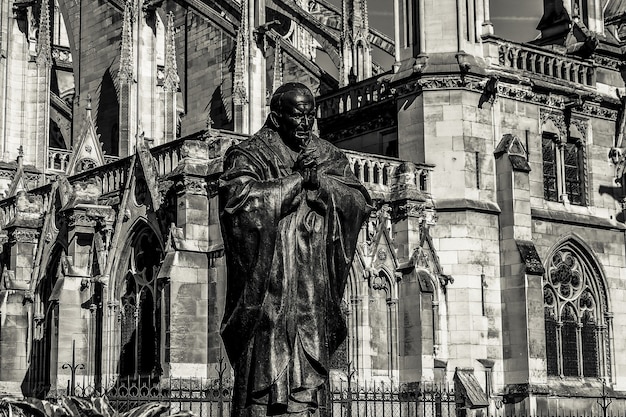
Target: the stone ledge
pixel 569 387
pixel 466 204
pixel 576 219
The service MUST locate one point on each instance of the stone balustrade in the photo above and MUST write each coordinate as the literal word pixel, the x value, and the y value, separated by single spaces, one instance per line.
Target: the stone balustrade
pixel 8 208
pixel 540 61
pixel 112 176
pixel 380 174
pixel 354 96
pixel 58 159
pixel 167 157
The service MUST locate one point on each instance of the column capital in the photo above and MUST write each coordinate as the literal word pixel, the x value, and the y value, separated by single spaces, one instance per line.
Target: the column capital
pixel 392 301
pixel 191 184
pixel 24 235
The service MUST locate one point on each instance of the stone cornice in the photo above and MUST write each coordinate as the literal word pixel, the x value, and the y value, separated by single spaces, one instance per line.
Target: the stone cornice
pixel 586 220
pixel 423 210
pixel 525 91
pixel 607 62
pixel 466 204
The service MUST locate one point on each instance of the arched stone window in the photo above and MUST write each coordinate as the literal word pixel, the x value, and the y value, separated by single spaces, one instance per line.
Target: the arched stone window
pixel 140 299
pixel 575 308
pixel 41 375
pixel 564 159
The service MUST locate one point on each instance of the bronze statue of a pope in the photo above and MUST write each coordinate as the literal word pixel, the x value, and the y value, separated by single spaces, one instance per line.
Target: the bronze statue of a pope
pixel 290 211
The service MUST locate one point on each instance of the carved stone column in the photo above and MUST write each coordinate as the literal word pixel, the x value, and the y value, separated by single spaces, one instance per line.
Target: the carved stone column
pixel 187 265
pixel 16 297
pixel 412 214
pixel 522 291
pixel 80 303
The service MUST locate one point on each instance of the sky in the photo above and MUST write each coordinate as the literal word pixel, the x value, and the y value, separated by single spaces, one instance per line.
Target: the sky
pixel 515 20
pixel 512 19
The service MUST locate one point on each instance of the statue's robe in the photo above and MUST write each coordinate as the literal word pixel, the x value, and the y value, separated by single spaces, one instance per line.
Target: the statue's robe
pixel 288 253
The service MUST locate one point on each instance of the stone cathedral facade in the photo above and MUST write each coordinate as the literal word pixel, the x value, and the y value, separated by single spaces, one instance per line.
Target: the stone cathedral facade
pixel 495 259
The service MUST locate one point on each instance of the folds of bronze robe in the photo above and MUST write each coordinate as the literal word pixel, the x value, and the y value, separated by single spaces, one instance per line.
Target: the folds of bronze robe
pixel 288 253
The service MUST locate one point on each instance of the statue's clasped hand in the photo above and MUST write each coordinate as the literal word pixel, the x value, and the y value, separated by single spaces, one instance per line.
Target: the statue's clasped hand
pixel 306 165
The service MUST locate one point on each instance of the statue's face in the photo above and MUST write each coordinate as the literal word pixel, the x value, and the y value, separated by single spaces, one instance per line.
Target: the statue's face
pixel 295 121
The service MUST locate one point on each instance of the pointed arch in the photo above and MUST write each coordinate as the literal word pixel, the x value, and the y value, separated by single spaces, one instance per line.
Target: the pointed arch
pixel 575 242
pixel 41 375
pixel 355 278
pixel 140 298
pixel 576 311
pixel 70 12
pixel 391 286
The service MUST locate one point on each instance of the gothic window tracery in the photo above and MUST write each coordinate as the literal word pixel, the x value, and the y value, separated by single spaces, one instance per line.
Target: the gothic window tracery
pixel 550 191
pixel 563 169
pixel 45 332
pixel 573 167
pixel 574 313
pixel 85 164
pixel 140 312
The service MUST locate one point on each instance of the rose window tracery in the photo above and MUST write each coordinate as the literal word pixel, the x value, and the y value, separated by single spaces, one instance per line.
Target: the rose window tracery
pixel 574 314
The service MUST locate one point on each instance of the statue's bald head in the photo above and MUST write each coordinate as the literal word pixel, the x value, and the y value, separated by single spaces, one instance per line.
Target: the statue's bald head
pixel 288 89
pixel 292 114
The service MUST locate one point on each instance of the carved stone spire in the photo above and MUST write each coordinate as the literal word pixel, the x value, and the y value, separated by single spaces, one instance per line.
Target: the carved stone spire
pixel 355 47
pixel 172 80
pixel 43 45
pixel 127 79
pixel 43 61
pixel 126 72
pixel 364 20
pixel 346 45
pixel 241 55
pixel 240 81
pixel 277 79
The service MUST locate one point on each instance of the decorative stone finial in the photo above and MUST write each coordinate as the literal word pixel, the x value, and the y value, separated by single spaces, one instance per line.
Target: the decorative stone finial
pixel 20 156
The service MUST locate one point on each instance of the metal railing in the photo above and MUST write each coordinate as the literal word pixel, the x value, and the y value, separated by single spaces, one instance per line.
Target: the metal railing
pixel 382 400
pixel 207 397
pixel 212 398
pixel 204 397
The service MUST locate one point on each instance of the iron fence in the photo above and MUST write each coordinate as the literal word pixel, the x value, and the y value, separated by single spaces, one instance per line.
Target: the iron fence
pixel 204 397
pixel 212 398
pixel 387 400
